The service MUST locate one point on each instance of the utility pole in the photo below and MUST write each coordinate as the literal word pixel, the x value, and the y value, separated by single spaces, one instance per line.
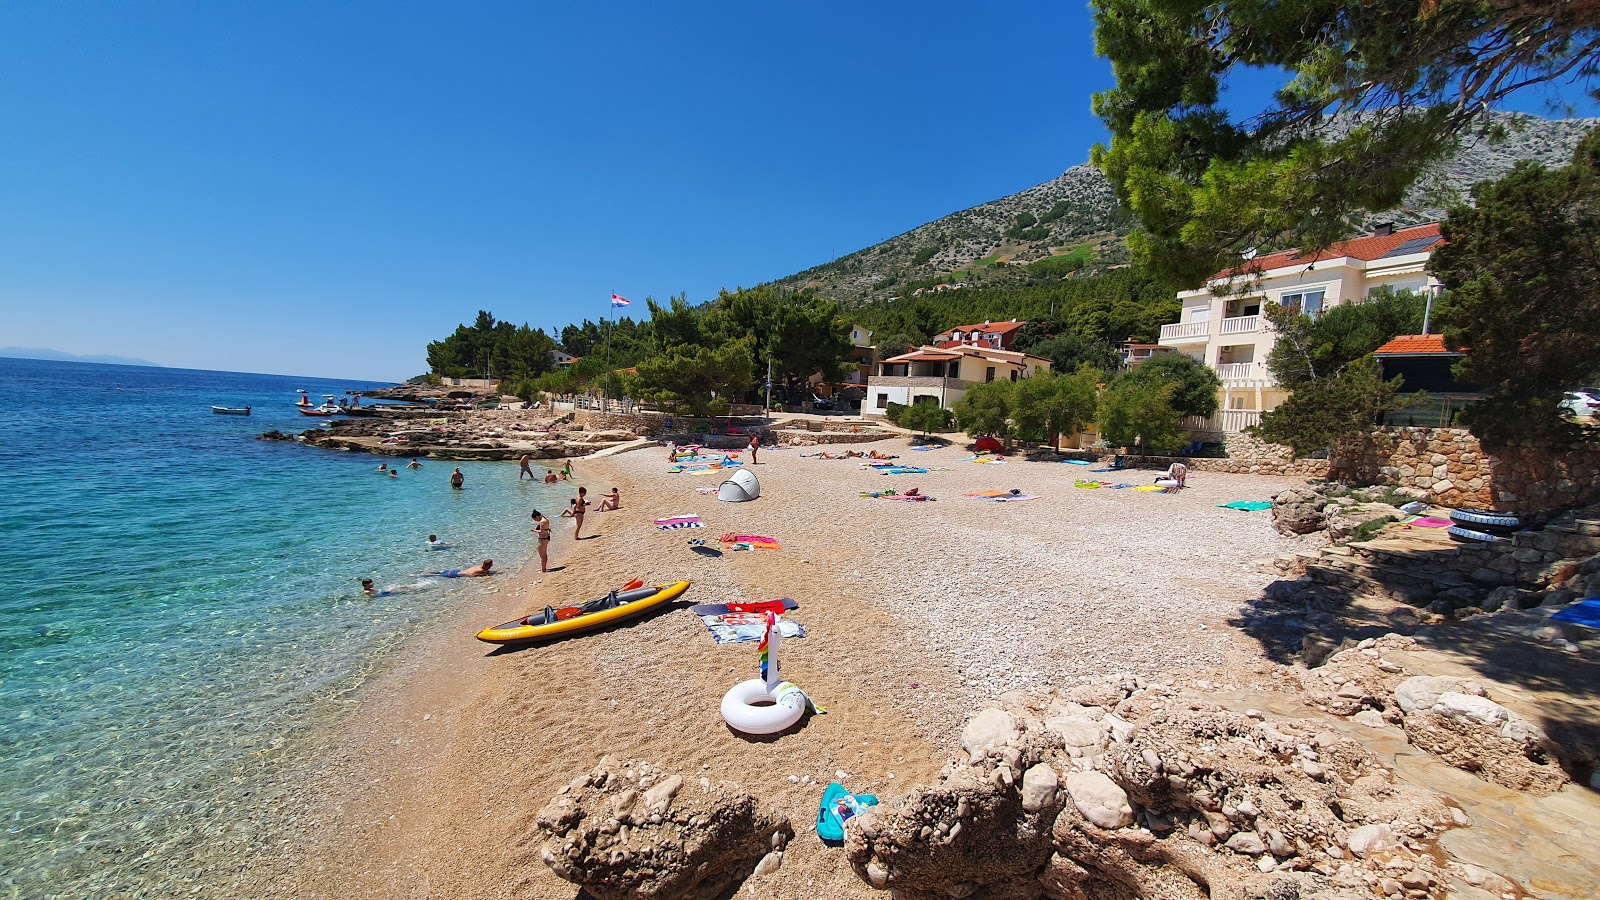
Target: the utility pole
pixel 766 412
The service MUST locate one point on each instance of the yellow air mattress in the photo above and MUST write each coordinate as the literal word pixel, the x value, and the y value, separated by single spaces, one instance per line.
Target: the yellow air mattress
pixel 601 612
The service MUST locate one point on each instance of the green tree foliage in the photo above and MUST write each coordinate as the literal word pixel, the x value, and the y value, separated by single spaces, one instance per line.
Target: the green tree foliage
pixel 1194 384
pixel 802 335
pixel 1333 411
pixel 1139 412
pixel 894 344
pixel 1522 266
pixel 986 408
pixel 1068 351
pixel 1408 76
pixel 1119 305
pixel 925 417
pixel 1046 406
pixel 699 379
pixel 504 350
pixel 1307 348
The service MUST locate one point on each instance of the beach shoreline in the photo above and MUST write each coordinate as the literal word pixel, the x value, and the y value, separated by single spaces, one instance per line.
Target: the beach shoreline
pixel 437 776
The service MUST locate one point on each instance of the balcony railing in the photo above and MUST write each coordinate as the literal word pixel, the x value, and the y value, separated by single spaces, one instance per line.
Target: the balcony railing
pixel 1241 325
pixel 1184 331
pixel 1236 371
pixel 1224 421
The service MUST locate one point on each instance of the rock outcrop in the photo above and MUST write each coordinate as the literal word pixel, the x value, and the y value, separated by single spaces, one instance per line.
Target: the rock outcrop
pixel 1130 790
pixel 631 830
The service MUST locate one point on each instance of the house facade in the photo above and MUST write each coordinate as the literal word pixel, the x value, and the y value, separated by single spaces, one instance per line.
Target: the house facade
pixel 994 335
pixel 863 355
pixel 942 375
pixel 1221 323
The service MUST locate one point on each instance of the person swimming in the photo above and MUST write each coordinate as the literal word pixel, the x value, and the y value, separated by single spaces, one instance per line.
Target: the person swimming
pixel 371 590
pixel 435 544
pixel 413 465
pixel 477 571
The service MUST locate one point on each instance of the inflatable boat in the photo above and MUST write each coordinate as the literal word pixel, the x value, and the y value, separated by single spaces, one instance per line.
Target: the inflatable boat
pixel 552 622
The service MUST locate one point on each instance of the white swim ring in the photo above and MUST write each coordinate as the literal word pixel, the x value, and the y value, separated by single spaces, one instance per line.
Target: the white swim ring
pixel 781 707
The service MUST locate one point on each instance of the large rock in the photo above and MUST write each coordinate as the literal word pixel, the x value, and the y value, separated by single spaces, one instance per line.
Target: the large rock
pixel 988 730
pixel 1299 511
pixel 1423 691
pixel 1480 736
pixel 1100 800
pixel 632 831
pixel 1344 520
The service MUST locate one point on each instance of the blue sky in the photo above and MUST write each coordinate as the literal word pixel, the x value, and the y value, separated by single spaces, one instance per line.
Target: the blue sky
pixel 322 188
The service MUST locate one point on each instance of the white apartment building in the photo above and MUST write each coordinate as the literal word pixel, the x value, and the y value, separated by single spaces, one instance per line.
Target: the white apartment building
pixel 1221 324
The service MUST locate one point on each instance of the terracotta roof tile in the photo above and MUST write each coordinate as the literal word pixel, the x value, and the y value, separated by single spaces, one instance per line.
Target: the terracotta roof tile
pixel 1407 344
pixel 1367 247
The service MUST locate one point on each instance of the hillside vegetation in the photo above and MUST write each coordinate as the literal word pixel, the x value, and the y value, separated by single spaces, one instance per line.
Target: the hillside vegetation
pixel 1071 226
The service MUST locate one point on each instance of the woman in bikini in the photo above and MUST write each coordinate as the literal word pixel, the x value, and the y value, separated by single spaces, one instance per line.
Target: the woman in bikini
pixel 610 501
pixel 541 524
pixel 579 507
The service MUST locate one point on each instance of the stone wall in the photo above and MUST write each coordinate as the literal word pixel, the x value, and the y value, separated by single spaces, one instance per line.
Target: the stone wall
pixel 1247 455
pixel 1453 468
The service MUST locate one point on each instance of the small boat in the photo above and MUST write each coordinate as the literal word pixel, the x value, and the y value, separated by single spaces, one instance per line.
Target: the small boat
pixel 328 407
pixel 625 603
pixel 305 399
pixel 231 410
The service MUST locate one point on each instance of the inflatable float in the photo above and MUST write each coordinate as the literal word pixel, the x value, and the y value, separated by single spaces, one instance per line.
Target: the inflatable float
pixel 630 600
pixel 765 705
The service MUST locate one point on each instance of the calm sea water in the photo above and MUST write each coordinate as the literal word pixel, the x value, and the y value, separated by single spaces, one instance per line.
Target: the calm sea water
pixel 182 607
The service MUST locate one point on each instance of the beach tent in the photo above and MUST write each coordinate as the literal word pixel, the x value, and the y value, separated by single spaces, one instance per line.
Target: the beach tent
pixel 988 445
pixel 741 486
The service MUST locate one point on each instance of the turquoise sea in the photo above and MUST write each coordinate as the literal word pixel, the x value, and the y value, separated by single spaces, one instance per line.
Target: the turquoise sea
pixel 182 613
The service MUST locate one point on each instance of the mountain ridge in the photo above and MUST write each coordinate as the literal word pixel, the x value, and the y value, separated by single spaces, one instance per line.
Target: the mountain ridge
pixel 1073 223
pixel 63 356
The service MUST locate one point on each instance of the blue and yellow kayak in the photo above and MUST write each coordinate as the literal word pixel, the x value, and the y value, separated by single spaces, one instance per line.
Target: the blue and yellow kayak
pixel 552 621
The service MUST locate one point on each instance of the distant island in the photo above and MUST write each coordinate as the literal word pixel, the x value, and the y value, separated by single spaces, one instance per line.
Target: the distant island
pixel 59 356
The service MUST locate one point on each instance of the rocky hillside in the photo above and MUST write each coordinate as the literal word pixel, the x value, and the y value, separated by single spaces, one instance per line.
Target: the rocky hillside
pixel 1075 222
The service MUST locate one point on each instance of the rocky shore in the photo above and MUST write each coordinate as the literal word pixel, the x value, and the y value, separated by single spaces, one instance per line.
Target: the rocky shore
pixel 476 435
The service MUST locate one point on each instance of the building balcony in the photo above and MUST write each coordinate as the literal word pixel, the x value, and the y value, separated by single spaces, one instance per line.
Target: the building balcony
pixel 1185 332
pixel 920 381
pixel 1241 371
pixel 1241 325
pixel 1224 421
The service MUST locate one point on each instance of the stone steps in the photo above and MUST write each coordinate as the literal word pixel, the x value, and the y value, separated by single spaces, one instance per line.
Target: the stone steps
pixel 1376 580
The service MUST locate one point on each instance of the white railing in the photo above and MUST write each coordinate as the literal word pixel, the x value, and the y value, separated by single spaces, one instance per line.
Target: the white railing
pixel 1241 325
pixel 1183 330
pixel 1236 371
pixel 1225 421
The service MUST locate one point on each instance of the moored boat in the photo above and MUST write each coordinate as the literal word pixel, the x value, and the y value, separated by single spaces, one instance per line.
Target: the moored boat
pixel 231 410
pixel 553 622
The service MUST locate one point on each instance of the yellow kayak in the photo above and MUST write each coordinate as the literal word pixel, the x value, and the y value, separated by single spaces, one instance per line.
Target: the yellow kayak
pixel 600 612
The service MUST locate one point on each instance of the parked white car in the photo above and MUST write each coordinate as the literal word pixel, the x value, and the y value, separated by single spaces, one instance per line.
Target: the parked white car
pixel 1583 403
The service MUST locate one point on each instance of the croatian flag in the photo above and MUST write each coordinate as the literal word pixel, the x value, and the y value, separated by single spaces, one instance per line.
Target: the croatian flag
pixel 618 301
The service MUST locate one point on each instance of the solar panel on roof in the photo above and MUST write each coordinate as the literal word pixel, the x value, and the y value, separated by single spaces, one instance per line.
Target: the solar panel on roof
pixel 1415 245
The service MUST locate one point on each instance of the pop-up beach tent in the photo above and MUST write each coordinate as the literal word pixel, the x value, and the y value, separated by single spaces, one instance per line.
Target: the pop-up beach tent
pixel 988 444
pixel 740 486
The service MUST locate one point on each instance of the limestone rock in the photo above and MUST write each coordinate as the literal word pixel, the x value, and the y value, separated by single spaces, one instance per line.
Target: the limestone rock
pixel 1488 740
pixel 1039 785
pixel 1299 511
pixel 1100 799
pixel 632 831
pixel 1422 692
pixel 988 730
pixel 1370 839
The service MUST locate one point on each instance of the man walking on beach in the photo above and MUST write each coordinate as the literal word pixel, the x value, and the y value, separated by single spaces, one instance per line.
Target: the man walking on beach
pixel 526 458
pixel 457 479
pixel 541 524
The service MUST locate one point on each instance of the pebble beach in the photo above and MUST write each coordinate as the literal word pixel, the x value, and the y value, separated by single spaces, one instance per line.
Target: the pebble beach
pixel 915 614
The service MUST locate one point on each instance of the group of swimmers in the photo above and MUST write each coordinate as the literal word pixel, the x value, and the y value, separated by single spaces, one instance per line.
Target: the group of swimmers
pixel 394 471
pixel 551 476
pixel 480 570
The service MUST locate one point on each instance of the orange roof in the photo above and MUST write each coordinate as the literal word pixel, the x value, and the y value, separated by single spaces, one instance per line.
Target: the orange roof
pixel 1415 345
pixel 923 354
pixel 1367 247
pixel 987 327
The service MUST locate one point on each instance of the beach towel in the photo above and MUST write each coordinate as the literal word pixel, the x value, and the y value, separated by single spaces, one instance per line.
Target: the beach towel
pixel 1107 469
pixel 909 498
pixel 1014 498
pixel 1123 486
pixel 922 449
pixel 1078 462
pixel 1086 485
pixel 984 495
pixel 681 517
pixel 671 526
pixel 903 470
pixel 1584 612
pixel 1247 505
pixel 739 628
pixel 1149 488
pixel 755 541
pixel 705 490
pixel 1427 522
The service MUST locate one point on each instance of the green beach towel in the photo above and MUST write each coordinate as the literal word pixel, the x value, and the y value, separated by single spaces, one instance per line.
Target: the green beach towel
pixel 1247 505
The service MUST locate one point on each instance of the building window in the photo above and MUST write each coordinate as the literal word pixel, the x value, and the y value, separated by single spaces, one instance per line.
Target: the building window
pixel 1308 302
pixel 1013 374
pixel 883 401
pixel 988 374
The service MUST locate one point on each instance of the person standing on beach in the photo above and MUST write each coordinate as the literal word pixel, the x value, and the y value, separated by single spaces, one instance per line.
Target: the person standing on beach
pixel 755 444
pixel 566 469
pixel 457 479
pixel 525 470
pixel 579 507
pixel 541 525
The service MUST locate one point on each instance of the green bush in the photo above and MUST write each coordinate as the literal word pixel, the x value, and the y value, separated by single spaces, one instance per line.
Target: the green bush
pixel 925 254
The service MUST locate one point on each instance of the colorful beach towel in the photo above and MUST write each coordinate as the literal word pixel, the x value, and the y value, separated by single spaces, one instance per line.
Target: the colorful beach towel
pixel 1149 488
pixel 904 470
pixel 676 525
pixel 1086 485
pixel 1014 498
pixel 756 541
pixel 706 490
pixel 740 628
pixel 1078 462
pixel 1427 522
pixel 984 495
pixel 680 517
pixel 1246 505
